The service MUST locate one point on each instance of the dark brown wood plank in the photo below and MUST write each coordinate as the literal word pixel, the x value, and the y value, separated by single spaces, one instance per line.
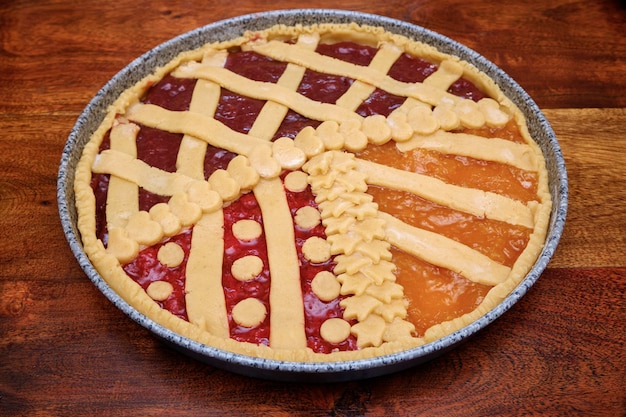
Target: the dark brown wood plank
pixel 73 353
pixel 565 54
pixel 595 155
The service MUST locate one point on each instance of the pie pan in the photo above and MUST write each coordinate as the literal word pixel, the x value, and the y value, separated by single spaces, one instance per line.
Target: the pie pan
pixel 95 111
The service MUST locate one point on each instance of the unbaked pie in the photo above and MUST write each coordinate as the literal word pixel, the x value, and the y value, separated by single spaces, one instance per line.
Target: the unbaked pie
pixel 318 193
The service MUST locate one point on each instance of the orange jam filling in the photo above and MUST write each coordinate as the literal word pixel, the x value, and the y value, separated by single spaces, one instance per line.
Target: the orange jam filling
pixel 500 241
pixel 464 171
pixel 510 131
pixel 435 294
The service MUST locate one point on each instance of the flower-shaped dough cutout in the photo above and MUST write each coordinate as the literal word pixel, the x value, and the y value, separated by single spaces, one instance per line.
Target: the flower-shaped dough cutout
pixel 470 114
pixel 355 284
pixel 187 212
pixel 262 161
pixel 225 185
pixel 342 161
pixel 351 264
pixel 422 121
pixel 241 171
pixel 364 210
pixel 384 270
pixel 328 132
pixel 169 222
pixel 309 142
pixel 121 246
pixel 370 228
pixel 335 208
pixel 354 138
pixel 396 308
pixel 359 306
pixel 401 130
pixel 339 224
pixel 287 154
pixel 201 193
pixel 446 116
pixel 354 192
pixel 386 291
pixel 323 183
pixel 375 250
pixel 143 229
pixel 354 181
pixel 494 116
pixel 376 129
pixel 319 165
pixel 344 243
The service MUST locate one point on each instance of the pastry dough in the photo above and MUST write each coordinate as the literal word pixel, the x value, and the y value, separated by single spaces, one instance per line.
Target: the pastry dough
pixel 345 236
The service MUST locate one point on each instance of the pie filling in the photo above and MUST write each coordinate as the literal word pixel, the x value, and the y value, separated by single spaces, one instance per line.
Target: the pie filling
pixel 318 190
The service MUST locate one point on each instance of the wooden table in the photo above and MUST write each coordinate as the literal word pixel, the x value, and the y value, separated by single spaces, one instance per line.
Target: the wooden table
pixel 65 350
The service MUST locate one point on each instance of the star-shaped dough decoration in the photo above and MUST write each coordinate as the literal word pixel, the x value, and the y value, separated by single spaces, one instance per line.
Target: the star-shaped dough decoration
pixel 376 250
pixel 359 306
pixel 380 272
pixel 385 292
pixel 370 331
pixel 371 228
pixel 398 329
pixel 336 225
pixel 389 311
pixel 355 284
pixel 344 243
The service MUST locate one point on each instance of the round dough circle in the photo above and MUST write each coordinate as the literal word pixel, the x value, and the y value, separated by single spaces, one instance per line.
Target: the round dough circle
pixel 247 230
pixel 296 181
pixel 171 254
pixel 307 217
pixel 316 249
pixel 325 286
pixel 247 268
pixel 335 330
pixel 249 312
pixel 159 290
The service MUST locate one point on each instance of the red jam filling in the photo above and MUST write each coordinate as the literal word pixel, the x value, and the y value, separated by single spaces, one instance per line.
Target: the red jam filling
pixel 246 207
pixel 159 149
pixel 316 310
pixel 146 269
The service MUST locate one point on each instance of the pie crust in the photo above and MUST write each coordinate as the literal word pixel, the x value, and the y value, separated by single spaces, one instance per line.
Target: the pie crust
pixel 330 160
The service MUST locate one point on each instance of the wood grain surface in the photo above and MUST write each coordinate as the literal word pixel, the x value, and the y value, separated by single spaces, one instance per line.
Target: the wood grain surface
pixel 67 351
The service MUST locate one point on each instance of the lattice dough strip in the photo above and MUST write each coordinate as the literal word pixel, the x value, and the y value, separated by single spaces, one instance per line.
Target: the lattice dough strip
pixel 360 91
pixel 122 197
pixel 444 252
pixel 266 91
pixel 204 296
pixel 473 201
pixel 287 314
pixel 324 64
pixel 272 114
